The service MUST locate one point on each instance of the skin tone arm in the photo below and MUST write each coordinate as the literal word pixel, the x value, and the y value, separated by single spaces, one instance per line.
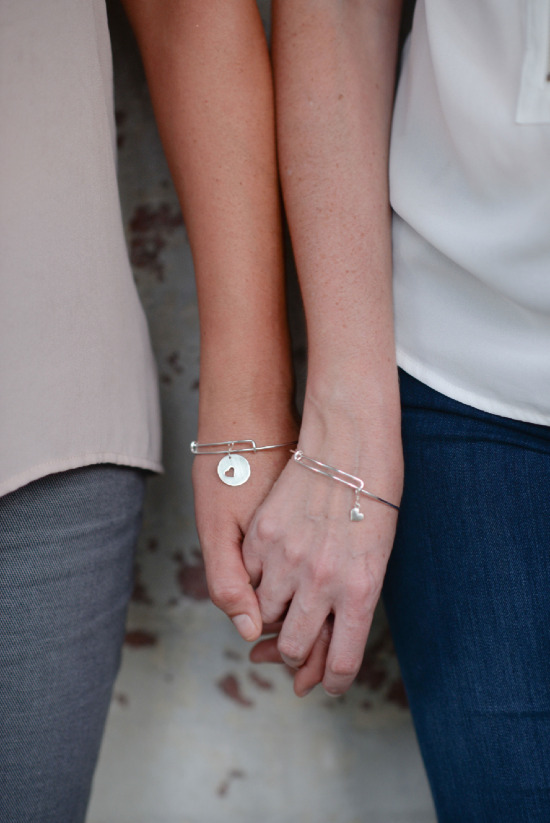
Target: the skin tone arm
pixel 334 66
pixel 210 79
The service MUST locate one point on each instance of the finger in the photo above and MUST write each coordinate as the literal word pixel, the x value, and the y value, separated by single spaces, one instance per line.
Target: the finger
pixel 346 649
pixel 272 628
pixel 313 669
pixel 253 566
pixel 273 597
pixel 252 561
pixel 230 588
pixel 301 628
pixel 266 651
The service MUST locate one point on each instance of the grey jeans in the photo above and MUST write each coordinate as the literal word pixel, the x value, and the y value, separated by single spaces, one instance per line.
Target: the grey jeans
pixel 66 567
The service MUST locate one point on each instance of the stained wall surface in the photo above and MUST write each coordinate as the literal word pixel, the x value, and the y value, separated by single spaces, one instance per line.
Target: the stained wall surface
pixel 196 734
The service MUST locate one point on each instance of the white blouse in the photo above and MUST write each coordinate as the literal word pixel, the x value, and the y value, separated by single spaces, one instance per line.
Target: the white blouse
pixel 77 377
pixel 470 186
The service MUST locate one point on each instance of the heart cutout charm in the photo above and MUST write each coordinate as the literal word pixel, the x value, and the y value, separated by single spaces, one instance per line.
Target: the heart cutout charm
pixel 356 514
pixel 233 469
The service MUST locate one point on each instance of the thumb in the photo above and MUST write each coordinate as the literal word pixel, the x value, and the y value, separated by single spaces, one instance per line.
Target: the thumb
pixel 230 589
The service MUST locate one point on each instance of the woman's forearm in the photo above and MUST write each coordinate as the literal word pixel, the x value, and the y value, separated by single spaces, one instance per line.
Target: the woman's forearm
pixel 210 79
pixel 334 77
pixel 334 68
pixel 209 73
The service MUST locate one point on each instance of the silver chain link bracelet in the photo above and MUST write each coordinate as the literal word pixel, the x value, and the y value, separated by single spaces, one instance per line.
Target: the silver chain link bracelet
pixel 233 468
pixel 350 480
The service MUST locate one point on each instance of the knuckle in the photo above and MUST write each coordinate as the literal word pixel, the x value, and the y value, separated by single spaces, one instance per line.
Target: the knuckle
pixel 323 572
pixel 292 552
pixel 270 612
pixel 362 590
pixel 290 649
pixel 223 594
pixel 270 607
pixel 266 529
pixel 356 623
pixel 344 668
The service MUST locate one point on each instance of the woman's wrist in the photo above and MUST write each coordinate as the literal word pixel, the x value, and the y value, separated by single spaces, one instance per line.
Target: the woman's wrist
pixel 357 432
pixel 242 411
pixel 361 401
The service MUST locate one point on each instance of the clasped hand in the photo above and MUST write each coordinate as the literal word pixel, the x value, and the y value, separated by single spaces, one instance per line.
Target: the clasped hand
pixel 317 576
pixel 303 572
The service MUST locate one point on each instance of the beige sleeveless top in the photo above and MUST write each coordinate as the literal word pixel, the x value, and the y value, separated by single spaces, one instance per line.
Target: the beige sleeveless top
pixel 77 376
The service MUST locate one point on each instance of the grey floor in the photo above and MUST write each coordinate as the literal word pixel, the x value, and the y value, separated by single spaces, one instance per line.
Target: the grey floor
pixel 197 735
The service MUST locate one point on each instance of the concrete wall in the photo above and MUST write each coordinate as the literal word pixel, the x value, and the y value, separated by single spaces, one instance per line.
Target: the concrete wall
pixel 197 734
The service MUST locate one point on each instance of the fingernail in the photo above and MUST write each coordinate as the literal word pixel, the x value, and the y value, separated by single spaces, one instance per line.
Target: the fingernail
pixel 244 626
pixel 330 694
pixel 307 691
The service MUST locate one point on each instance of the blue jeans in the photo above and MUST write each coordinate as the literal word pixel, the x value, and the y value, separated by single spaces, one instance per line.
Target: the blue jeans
pixel 66 567
pixel 468 599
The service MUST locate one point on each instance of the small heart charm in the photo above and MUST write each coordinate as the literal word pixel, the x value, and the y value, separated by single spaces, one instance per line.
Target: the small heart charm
pixel 356 514
pixel 233 469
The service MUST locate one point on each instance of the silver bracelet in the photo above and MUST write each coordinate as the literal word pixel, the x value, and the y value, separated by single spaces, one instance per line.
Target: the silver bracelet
pixel 233 468
pixel 350 480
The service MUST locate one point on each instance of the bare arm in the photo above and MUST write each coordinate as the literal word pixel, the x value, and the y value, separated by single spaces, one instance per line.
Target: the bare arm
pixel 334 74
pixel 210 79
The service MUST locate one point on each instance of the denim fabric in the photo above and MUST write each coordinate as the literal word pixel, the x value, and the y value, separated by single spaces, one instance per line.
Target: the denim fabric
pixel 468 598
pixel 66 560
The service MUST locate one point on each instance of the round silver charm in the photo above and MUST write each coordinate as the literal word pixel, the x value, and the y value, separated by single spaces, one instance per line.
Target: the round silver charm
pixel 233 470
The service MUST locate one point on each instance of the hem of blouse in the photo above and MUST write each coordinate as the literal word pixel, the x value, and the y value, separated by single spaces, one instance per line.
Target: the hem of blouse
pixel 423 373
pixel 77 462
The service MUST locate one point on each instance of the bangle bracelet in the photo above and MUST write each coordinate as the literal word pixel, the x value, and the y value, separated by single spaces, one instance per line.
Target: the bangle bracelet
pixel 233 468
pixel 350 480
